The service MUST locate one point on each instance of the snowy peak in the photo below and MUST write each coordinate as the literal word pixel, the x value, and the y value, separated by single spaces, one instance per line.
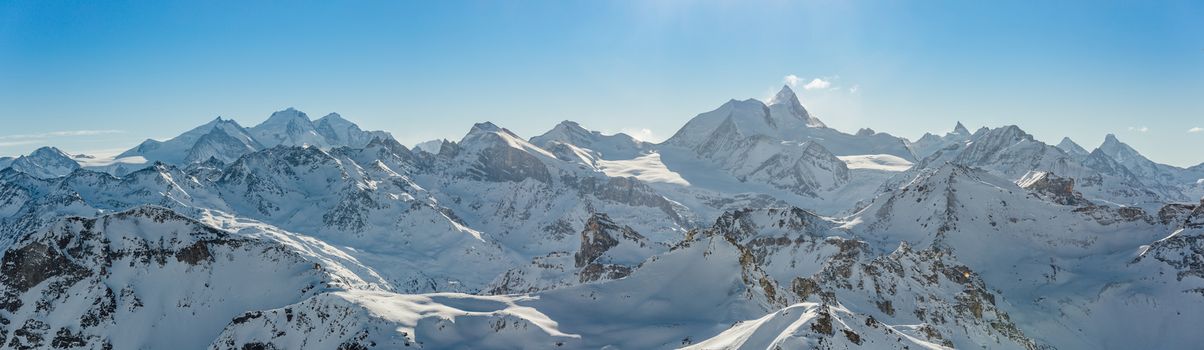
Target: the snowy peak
pixel 484 128
pixel 617 146
pixel 289 127
pixel 568 132
pixel 929 144
pixel 786 102
pixel 226 140
pixel 784 120
pixel 743 225
pixel 285 117
pixel 1121 151
pixel 341 132
pixel 496 154
pixel 488 134
pixel 1072 148
pixel 48 153
pixel 45 162
pixel 960 129
pixel 785 96
pixel 221 138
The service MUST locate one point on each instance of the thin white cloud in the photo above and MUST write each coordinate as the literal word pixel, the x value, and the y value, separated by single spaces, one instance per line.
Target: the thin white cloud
pixel 1139 129
pixel 643 134
pixel 855 89
pixel 1195 129
pixel 63 133
pixel 17 143
pixel 792 80
pixel 817 83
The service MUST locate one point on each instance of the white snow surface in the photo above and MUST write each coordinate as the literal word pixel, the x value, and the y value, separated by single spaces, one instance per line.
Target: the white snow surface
pixel 755 226
pixel 884 162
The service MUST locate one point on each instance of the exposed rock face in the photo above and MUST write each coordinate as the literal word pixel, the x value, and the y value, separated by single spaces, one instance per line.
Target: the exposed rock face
pixel 599 237
pixel 846 294
pixel 607 251
pixel 510 164
pixel 1053 188
pixel 628 191
pixel 596 238
pixel 1175 214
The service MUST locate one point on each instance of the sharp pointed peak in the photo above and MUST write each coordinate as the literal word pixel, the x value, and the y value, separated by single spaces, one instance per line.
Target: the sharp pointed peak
pixel 1111 138
pixel 785 96
pixel 961 129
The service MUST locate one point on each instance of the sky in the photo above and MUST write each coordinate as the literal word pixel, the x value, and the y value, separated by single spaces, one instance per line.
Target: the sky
pixel 99 77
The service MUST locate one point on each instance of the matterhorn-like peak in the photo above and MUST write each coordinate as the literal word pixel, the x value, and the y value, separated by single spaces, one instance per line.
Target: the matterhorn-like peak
pixel 961 129
pixel 785 96
pixel 788 101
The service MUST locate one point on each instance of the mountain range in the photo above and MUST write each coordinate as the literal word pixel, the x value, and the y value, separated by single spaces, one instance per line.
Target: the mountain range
pixel 755 226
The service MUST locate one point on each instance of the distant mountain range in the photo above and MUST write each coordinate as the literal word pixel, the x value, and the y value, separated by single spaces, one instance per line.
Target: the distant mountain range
pixel 755 226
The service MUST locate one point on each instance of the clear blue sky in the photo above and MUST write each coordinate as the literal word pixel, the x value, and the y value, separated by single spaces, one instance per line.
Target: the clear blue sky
pixel 95 76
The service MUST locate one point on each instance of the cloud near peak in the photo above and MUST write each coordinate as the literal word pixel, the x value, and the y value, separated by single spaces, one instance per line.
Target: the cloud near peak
pixel 817 84
pixel 795 81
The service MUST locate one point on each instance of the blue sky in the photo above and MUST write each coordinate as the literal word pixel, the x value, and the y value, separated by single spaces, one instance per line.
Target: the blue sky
pixel 99 76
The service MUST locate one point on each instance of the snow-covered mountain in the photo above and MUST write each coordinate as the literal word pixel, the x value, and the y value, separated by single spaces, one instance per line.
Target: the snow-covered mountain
pixel 755 226
pixel 226 140
pixel 785 119
pixel 1073 149
pixel 928 144
pixel 571 134
pixel 222 139
pixel 44 162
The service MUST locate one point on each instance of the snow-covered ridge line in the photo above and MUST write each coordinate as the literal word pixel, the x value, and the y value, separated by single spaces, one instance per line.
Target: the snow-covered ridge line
pixel 754 226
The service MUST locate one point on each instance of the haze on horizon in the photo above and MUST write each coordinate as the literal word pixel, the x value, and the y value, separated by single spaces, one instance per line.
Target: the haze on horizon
pixel 101 77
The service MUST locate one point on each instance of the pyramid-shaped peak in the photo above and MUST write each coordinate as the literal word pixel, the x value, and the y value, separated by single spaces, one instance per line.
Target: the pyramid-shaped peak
pixel 961 129
pixel 1111 141
pixel 785 96
pixel 1071 147
pixel 787 101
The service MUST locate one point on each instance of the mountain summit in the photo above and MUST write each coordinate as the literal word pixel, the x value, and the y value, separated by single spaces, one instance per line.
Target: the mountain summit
pixel 788 102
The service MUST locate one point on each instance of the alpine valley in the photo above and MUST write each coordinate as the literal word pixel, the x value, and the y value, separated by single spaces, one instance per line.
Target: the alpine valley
pixel 755 226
